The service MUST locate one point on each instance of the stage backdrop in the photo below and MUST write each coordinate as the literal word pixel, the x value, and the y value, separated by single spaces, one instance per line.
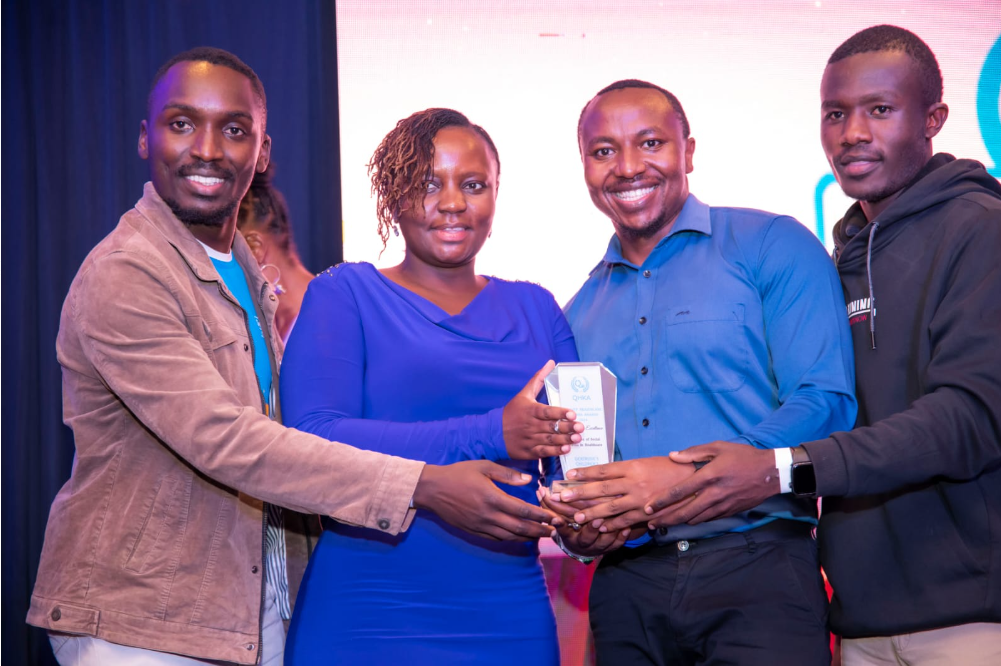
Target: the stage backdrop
pixel 747 73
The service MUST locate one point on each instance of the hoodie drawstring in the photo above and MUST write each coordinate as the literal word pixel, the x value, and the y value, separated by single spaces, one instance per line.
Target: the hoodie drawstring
pixel 872 294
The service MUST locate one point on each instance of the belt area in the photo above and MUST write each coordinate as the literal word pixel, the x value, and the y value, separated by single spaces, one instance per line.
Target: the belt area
pixel 776 530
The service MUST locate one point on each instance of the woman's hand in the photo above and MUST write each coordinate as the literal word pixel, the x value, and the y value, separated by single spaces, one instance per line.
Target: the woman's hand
pixel 533 430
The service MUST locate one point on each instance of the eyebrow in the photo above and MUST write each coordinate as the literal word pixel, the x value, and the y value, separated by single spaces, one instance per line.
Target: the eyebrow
pixel 878 96
pixel 187 108
pixel 607 139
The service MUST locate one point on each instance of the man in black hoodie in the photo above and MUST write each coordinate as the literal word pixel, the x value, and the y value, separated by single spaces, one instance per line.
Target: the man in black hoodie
pixel 910 531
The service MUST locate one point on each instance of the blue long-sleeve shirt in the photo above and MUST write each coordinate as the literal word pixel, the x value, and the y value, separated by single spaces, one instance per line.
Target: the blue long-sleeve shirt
pixel 733 329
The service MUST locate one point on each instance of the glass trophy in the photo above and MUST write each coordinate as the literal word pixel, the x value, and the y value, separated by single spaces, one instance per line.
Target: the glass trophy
pixel 589 390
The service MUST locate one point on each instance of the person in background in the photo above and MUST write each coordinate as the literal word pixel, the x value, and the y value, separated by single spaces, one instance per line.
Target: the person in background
pixel 264 222
pixel 427 360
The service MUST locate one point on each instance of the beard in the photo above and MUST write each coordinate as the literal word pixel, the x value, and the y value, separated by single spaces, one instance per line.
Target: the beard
pixel 900 182
pixel 193 217
pixel 649 231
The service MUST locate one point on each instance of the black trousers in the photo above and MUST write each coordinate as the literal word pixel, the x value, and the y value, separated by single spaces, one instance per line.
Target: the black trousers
pixel 747 599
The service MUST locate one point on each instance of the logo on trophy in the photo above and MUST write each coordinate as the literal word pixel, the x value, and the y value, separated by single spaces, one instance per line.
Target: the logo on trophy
pixel 591 395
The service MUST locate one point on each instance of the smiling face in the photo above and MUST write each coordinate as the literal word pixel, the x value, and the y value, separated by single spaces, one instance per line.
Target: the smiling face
pixel 204 139
pixel 636 162
pixel 875 127
pixel 458 208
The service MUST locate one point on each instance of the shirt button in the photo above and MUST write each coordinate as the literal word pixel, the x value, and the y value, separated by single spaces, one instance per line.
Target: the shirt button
pixel 250 646
pixel 646 273
pixel 642 320
pixel 644 370
pixel 683 546
pixel 646 422
pixel 383 524
pixel 253 569
pixel 271 296
pixel 246 347
pixel 56 614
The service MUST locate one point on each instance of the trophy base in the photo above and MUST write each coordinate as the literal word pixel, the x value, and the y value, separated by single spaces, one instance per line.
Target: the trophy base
pixel 561 484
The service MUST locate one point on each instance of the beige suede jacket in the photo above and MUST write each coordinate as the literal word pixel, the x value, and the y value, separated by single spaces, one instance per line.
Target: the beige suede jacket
pixel 156 540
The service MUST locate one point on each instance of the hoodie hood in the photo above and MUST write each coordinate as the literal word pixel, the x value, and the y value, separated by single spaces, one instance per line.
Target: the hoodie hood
pixel 942 179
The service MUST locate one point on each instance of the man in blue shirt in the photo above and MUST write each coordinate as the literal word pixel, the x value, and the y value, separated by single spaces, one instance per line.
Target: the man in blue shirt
pixel 720 324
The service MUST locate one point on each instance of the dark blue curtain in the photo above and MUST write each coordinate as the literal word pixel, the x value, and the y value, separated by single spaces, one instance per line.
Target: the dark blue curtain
pixel 75 78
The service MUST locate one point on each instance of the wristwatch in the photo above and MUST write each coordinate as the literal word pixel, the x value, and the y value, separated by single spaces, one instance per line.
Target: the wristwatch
pixel 803 481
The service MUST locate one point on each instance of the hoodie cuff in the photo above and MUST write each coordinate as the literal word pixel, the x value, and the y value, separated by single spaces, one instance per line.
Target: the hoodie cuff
pixel 829 467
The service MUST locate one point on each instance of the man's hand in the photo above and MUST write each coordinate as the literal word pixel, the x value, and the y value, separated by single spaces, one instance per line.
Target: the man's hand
pixel 464 494
pixel 586 541
pixel 624 490
pixel 737 477
pixel 533 430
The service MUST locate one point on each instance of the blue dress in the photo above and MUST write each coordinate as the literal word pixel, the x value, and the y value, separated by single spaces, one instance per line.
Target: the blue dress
pixel 374 365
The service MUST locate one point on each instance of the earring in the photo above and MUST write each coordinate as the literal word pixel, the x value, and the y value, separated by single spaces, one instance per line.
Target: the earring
pixel 276 283
pixel 396 230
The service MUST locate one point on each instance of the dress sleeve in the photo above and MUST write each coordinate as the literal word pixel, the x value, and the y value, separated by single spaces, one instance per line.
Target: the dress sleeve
pixel 322 388
pixel 953 431
pixel 808 339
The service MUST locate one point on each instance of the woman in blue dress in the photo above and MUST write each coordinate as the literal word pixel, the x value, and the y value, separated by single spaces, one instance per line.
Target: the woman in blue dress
pixel 427 360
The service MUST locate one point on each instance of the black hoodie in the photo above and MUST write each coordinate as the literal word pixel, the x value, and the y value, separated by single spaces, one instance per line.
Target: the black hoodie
pixel 910 532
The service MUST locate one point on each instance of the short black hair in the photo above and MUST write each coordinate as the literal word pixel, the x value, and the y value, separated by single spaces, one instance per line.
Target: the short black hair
pixel 636 83
pixel 213 56
pixel 893 38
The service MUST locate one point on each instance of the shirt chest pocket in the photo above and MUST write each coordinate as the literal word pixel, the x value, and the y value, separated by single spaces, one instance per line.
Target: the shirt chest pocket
pixel 705 347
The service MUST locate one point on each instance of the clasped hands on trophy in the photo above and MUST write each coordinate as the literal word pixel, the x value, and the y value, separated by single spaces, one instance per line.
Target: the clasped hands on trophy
pixel 619 501
pixel 613 503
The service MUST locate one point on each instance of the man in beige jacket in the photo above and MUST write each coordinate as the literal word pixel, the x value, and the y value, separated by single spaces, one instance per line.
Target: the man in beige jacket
pixel 155 549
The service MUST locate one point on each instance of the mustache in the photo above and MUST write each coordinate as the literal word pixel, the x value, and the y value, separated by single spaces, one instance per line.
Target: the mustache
pixel 207 169
pixel 858 156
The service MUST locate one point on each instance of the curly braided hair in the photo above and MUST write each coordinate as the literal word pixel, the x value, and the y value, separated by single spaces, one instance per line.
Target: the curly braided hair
pixel 404 161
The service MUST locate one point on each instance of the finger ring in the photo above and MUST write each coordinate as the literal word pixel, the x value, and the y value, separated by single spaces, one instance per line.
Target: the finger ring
pixel 556 426
pixel 575 527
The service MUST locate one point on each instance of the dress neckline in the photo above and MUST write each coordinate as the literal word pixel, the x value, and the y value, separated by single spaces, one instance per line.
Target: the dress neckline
pixel 429 307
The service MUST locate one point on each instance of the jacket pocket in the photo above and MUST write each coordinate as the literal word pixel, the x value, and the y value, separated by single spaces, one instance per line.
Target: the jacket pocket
pixel 217 337
pixel 163 525
pixel 706 347
pixel 231 353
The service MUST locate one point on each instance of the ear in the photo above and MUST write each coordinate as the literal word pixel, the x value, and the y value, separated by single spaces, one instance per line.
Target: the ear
pixel 689 153
pixel 937 115
pixel 257 246
pixel 143 147
pixel 265 156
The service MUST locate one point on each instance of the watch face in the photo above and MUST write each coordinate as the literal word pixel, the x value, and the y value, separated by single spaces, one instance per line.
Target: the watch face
pixel 803 480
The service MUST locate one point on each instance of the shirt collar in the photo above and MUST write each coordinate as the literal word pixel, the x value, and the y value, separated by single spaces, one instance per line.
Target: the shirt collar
pixel 694 216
